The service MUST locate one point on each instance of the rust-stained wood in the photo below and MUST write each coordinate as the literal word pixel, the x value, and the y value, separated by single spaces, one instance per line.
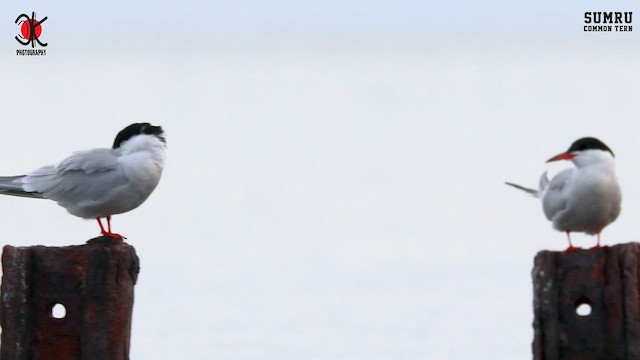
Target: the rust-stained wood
pixel 607 281
pixel 94 282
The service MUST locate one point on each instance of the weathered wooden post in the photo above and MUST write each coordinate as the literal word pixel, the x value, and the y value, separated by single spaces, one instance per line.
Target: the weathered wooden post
pixel 93 282
pixel 605 281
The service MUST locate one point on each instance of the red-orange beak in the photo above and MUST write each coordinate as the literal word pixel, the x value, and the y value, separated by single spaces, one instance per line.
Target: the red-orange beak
pixel 563 156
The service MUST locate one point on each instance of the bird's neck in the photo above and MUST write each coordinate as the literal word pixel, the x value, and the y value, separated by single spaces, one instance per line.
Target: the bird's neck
pixel 604 160
pixel 144 143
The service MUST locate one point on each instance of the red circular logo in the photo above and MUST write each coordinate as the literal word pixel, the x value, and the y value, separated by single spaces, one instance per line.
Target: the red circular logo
pixel 25 29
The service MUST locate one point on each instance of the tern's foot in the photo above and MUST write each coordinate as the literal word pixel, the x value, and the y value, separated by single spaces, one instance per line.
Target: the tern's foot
pixel 113 235
pixel 572 249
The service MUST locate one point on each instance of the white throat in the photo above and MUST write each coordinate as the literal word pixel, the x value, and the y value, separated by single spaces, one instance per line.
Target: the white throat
pixel 593 157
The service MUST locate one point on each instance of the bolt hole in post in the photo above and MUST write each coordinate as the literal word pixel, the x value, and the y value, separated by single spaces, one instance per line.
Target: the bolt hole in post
pixel 583 307
pixel 58 311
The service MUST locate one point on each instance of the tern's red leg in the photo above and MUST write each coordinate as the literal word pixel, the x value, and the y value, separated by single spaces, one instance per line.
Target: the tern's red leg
pixel 571 247
pixel 101 227
pixel 598 246
pixel 108 232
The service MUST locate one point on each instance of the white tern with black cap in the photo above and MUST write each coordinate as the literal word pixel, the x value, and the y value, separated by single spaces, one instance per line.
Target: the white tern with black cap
pixel 585 198
pixel 99 183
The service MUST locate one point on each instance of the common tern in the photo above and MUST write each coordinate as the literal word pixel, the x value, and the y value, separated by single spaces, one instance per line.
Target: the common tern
pixel 585 198
pixel 99 183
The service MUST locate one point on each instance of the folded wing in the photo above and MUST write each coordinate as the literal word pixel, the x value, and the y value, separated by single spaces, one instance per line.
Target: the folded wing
pixel 85 176
pixel 555 193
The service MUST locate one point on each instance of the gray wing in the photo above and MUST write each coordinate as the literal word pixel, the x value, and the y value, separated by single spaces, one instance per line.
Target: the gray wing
pixel 542 186
pixel 85 175
pixel 12 185
pixel 529 191
pixel 555 196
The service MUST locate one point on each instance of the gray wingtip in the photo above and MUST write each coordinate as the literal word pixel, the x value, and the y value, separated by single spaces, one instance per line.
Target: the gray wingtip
pixel 532 192
pixel 21 193
pixel 9 186
pixel 544 181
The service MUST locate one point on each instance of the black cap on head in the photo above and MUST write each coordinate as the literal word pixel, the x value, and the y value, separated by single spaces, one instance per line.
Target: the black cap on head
pixel 589 143
pixel 137 129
